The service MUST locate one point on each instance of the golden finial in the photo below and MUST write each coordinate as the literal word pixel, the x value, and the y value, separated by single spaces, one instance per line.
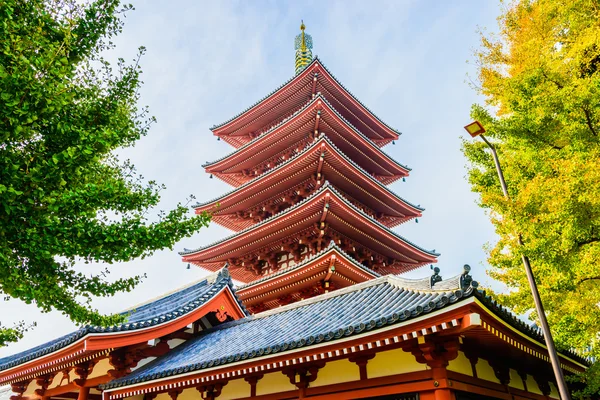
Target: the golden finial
pixel 302 28
pixel 303 45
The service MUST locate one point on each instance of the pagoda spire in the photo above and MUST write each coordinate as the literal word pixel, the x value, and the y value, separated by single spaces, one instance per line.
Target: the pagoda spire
pixel 303 47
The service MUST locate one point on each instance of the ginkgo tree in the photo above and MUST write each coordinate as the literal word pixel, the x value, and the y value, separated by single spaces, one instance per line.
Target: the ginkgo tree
pixel 540 75
pixel 64 196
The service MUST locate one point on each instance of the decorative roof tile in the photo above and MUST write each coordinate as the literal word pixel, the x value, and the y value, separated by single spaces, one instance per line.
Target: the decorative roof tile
pixel 155 312
pixel 366 306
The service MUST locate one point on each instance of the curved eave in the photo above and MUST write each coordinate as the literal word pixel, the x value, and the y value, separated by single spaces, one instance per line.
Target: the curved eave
pixel 335 160
pixel 267 282
pixel 266 101
pixel 284 133
pixel 305 211
pixel 91 340
pixel 459 309
pixel 385 134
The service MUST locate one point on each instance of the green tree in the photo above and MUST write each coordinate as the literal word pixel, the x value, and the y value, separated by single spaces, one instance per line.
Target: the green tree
pixel 64 196
pixel 541 78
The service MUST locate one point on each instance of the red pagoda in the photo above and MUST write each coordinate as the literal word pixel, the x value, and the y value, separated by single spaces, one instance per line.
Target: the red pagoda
pixel 319 311
pixel 308 171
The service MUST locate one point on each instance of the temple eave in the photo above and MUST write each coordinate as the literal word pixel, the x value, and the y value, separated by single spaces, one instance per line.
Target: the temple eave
pixel 305 172
pixel 242 124
pixel 311 120
pixel 326 214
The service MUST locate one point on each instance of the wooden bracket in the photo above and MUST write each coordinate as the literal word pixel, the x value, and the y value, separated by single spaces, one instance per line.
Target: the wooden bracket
pixel 173 394
pixel 19 388
pixel 253 380
pixel 211 392
pixel 362 362
pixel 43 381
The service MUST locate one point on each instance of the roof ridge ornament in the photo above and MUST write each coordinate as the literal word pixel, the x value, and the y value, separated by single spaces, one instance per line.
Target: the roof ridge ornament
pixel 436 277
pixel 466 280
pixel 303 47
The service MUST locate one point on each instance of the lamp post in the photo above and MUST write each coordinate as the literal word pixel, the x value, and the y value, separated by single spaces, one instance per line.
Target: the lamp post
pixel 476 129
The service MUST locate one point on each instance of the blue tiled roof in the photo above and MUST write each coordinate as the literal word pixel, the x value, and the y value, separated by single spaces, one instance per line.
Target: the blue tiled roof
pixel 380 302
pixel 152 313
pixel 366 306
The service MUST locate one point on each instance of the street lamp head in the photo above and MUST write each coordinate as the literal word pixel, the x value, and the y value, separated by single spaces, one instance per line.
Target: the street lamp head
pixel 475 128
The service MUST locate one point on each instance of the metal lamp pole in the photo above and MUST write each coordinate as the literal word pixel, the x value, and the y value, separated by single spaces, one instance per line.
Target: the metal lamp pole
pixel 476 129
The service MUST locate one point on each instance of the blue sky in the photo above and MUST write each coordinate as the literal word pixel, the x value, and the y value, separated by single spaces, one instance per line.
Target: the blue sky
pixel 207 61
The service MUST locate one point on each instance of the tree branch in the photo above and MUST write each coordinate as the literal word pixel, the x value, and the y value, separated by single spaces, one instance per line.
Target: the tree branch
pixel 589 241
pixel 591 278
pixel 588 120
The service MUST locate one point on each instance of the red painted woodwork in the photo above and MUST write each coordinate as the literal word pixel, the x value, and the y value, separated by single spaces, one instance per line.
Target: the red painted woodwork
pixel 309 171
pixel 288 185
pixel 317 117
pixel 324 217
pixel 304 282
pixel 291 97
pixel 93 344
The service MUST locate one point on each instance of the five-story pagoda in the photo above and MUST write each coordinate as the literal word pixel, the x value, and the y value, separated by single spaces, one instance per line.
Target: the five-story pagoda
pixel 310 206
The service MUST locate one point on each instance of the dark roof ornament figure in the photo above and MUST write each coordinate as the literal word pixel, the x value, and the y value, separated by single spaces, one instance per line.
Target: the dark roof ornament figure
pixel 466 280
pixel 436 277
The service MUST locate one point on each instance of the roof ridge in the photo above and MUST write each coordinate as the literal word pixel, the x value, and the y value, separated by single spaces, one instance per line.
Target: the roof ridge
pixel 355 98
pixel 307 68
pixel 433 253
pixel 389 279
pixel 266 173
pixel 211 278
pixel 262 135
pixel 222 280
pixel 354 164
pixel 264 221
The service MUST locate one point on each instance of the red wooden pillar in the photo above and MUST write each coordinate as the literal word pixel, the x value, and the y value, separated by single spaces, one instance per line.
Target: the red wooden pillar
pixel 436 354
pixel 440 374
pixel 83 393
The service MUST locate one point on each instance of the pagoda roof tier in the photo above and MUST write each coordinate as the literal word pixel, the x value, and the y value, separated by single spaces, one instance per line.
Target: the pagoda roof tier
pixel 331 265
pixel 290 96
pixel 305 171
pixel 148 321
pixel 281 141
pixel 325 209
pixel 383 313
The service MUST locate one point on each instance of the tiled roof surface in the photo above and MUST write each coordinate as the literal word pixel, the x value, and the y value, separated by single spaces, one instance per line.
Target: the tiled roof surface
pixel 362 307
pixel 155 312
pixel 318 97
pixel 315 60
pixel 296 206
pixel 307 148
pixel 380 302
